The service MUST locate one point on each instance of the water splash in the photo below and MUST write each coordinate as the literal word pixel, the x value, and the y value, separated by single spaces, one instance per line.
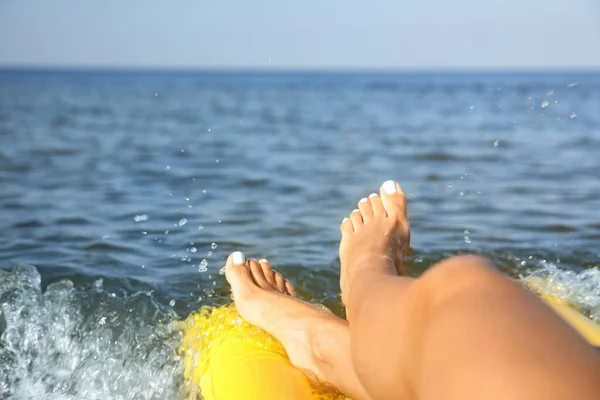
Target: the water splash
pixel 581 289
pixel 67 343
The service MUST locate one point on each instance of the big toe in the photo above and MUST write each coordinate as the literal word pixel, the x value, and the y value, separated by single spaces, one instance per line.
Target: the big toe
pixel 237 272
pixel 394 200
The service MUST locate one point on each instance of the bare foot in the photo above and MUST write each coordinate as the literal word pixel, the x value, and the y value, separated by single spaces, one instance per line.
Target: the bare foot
pixel 375 238
pixel 316 341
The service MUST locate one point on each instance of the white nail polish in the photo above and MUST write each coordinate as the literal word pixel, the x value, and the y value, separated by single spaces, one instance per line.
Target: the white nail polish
pixel 344 220
pixel 263 260
pixel 373 195
pixel 389 187
pixel 356 210
pixel 238 257
pixel 363 200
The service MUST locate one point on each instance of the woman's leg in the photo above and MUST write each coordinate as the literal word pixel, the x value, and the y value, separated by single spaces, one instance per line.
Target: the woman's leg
pixel 460 331
pixel 317 341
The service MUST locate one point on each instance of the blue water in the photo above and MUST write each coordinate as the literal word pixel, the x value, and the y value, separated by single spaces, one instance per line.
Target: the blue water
pixel 121 194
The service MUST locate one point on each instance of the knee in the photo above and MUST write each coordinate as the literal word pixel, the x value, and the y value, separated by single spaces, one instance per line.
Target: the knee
pixel 463 275
pixel 459 268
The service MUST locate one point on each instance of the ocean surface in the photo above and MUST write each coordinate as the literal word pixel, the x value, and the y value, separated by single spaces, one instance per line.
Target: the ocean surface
pixel 122 193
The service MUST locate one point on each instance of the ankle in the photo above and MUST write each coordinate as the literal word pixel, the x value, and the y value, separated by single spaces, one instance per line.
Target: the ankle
pixel 324 339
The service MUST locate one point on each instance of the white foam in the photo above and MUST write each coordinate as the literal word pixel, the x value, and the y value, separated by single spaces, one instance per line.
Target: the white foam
pixel 581 289
pixel 83 344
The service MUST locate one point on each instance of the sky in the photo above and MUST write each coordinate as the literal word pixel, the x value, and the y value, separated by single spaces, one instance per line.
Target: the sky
pixel 301 34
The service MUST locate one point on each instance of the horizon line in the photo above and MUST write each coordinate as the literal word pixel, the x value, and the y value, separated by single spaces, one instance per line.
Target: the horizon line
pixel 267 69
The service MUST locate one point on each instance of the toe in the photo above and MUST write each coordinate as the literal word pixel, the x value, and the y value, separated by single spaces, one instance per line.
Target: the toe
pixel 237 272
pixel 289 289
pixel 279 281
pixel 258 275
pixel 267 271
pixel 346 227
pixel 394 200
pixel 376 204
pixel 364 205
pixel 356 219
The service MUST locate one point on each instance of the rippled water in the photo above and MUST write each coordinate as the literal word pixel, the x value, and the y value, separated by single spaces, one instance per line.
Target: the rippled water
pixel 122 193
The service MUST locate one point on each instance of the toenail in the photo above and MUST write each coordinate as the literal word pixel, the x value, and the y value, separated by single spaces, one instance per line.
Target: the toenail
pixel 356 210
pixel 373 195
pixel 344 220
pixel 238 257
pixel 363 200
pixel 263 260
pixel 389 187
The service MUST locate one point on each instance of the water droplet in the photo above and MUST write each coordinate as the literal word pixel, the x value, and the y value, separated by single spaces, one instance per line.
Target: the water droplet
pixel 449 184
pixel 573 115
pixel 213 246
pixel 217 161
pixel 467 238
pixel 155 94
pixel 470 108
pixel 144 233
pixel 167 232
pixel 462 193
pixel 544 104
pixel 203 190
pixel 193 249
pixel 202 267
pixel 102 321
pixel 182 222
pixel 496 143
pixel 200 227
pixel 168 167
pixel 550 93
pixel 573 84
pixel 141 217
pixel 209 253
pixel 222 271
